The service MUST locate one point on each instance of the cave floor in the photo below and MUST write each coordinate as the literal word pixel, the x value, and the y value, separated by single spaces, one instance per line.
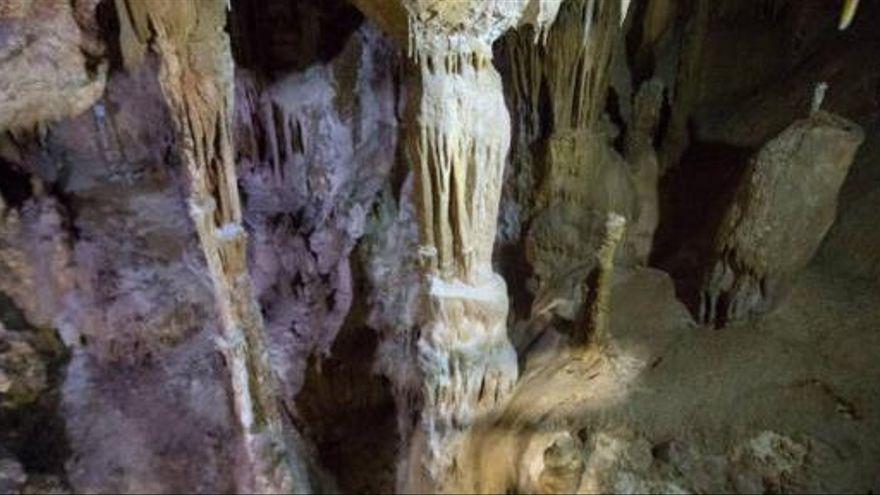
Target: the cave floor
pixel 788 403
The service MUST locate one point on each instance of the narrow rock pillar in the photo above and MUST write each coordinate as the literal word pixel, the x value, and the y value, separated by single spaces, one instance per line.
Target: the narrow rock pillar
pixel 196 76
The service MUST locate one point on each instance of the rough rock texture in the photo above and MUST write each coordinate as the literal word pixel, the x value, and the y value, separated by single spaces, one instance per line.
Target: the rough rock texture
pixel 142 297
pixel 138 316
pixel 779 215
pixel 316 147
pixel 196 77
pixel 341 192
pixel 794 422
pixel 53 60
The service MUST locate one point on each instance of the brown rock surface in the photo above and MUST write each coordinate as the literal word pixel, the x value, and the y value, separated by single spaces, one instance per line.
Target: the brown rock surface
pixel 51 59
pixel 779 215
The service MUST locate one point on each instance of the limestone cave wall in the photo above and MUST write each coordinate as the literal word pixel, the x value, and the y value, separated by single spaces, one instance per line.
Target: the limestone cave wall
pixel 518 246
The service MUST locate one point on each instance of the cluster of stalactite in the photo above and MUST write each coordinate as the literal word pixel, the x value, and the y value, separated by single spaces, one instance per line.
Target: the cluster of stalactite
pixel 572 64
pixel 458 149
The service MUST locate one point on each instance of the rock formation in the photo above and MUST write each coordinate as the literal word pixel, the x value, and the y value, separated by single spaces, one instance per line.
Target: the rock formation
pixel 54 56
pixel 476 246
pixel 645 166
pixel 780 213
pixel 457 140
pixel 197 81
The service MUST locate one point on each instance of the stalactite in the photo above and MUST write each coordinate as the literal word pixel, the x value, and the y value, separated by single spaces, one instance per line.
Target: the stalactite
pixel 457 142
pixel 848 13
pixel 686 84
pixel 196 80
pixel 624 10
pixel 583 178
pixel 573 63
pixel 644 166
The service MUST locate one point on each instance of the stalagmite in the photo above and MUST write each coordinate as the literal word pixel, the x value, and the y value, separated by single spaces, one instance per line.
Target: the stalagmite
pixel 644 166
pixel 598 305
pixel 196 76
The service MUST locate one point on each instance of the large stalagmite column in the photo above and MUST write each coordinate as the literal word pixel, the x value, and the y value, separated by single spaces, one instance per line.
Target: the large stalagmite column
pixel 457 135
pixel 457 138
pixel 196 76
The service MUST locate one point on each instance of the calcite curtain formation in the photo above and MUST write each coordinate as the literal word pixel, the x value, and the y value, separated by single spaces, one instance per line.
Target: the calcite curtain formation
pixel 559 90
pixel 196 76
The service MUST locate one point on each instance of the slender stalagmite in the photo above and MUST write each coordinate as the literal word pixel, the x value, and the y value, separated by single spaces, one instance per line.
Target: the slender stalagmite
pixel 196 76
pixel 598 306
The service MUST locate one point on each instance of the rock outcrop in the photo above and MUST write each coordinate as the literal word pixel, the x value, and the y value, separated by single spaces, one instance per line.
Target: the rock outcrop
pixel 196 76
pixel 53 59
pixel 780 213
